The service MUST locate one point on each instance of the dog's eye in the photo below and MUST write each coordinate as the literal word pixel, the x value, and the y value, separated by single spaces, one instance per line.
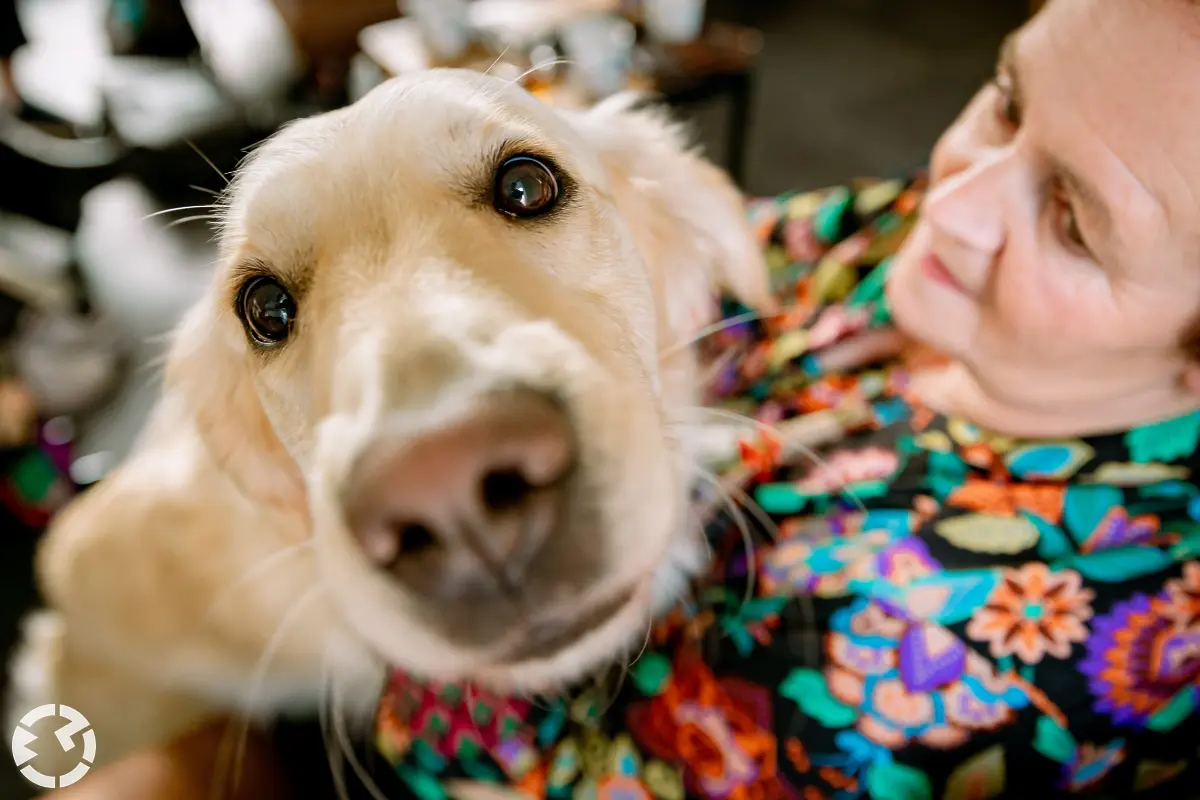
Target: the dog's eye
pixel 268 310
pixel 525 187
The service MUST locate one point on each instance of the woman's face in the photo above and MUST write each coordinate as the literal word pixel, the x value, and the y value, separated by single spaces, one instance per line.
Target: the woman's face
pixel 1058 254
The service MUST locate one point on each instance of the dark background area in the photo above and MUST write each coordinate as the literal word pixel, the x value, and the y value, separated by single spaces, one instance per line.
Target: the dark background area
pixel 842 88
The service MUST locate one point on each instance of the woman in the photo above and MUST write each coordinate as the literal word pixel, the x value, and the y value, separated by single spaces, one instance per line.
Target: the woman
pixel 1018 609
pixel 990 587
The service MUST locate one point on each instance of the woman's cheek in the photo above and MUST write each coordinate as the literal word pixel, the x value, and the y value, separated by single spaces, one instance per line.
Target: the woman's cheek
pixel 1031 300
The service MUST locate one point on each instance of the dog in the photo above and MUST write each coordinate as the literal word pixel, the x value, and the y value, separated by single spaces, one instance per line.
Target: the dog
pixel 422 418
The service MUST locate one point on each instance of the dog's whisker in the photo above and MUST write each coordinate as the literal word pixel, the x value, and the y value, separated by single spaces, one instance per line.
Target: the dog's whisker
pixel 751 505
pixel 337 762
pixel 537 701
pixel 228 761
pixel 173 210
pixel 645 642
pixel 204 189
pixel 492 66
pixel 225 751
pixel 222 767
pixel 740 521
pixel 712 369
pixel 185 220
pixel 544 65
pixel 260 671
pixel 811 646
pixel 611 701
pixel 701 530
pixel 472 701
pixel 792 441
pixel 207 160
pixel 342 735
pixel 717 327
pixel 627 664
pixel 255 570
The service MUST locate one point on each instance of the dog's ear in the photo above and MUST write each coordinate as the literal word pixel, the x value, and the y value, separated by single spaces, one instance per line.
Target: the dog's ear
pixel 208 381
pixel 688 217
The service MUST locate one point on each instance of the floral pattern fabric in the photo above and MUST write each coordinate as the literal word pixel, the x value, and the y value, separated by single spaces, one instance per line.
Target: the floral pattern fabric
pixel 929 610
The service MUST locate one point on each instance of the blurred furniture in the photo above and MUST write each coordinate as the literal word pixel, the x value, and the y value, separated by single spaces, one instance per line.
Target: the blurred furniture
pixel 326 31
pixel 719 64
pixel 35 261
pixel 155 28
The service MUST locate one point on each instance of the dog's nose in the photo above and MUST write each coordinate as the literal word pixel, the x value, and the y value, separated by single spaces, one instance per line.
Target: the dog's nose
pixel 461 511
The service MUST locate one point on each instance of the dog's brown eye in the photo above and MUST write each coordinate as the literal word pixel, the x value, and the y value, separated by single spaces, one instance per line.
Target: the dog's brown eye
pixel 268 310
pixel 525 187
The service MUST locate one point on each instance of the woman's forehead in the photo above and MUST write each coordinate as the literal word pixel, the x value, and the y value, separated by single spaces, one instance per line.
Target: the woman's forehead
pixel 1113 91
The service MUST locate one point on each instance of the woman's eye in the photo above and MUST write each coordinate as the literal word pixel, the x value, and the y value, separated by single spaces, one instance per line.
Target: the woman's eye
pixel 1067 224
pixel 1007 108
pixel 524 187
pixel 268 310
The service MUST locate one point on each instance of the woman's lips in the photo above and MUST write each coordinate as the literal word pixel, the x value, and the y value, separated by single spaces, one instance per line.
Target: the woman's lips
pixel 933 268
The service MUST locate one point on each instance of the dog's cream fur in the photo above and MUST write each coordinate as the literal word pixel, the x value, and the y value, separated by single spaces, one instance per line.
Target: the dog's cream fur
pixel 221 537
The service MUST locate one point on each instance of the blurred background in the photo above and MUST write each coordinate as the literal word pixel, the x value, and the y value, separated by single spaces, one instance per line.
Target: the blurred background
pixel 120 118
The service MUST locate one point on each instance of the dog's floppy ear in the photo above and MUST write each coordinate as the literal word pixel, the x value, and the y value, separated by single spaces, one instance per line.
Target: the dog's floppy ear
pixel 209 382
pixel 688 217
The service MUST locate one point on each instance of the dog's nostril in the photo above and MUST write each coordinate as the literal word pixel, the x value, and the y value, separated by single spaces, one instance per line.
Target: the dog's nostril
pixel 472 502
pixel 413 538
pixel 505 490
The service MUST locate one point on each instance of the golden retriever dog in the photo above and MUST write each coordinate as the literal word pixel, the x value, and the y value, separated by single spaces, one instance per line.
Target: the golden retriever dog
pixel 422 418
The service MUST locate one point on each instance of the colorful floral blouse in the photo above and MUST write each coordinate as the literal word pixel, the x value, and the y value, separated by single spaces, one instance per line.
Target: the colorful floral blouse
pixel 930 610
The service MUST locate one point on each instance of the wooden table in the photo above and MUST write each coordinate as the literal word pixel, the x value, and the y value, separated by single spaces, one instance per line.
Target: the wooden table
pixel 719 64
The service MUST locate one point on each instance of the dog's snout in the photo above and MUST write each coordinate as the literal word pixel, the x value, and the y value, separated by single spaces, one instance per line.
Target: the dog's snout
pixel 461 511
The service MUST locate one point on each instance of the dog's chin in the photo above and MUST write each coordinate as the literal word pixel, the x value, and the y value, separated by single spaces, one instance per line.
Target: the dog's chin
pixel 551 653
pixel 556 649
pixel 556 654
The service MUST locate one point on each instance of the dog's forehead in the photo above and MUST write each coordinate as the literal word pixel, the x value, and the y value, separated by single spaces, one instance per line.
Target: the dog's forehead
pixel 436 120
pixel 411 134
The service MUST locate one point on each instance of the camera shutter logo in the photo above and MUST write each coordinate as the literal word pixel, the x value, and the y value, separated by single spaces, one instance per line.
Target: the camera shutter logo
pixel 77 729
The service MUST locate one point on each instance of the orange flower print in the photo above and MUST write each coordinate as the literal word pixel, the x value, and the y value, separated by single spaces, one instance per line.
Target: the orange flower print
pixel 762 454
pixel 797 754
pixel 901 709
pixel 717 730
pixel 978 455
pixel 1006 499
pixel 829 392
pixel 1033 612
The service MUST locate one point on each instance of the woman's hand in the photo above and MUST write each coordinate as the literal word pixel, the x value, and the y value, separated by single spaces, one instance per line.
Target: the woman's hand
pixel 186 770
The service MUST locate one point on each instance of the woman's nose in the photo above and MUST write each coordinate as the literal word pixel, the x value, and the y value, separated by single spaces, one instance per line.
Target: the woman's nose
pixel 970 205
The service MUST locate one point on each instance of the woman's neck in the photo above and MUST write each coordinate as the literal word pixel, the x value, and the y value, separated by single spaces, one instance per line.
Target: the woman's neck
pixel 950 389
